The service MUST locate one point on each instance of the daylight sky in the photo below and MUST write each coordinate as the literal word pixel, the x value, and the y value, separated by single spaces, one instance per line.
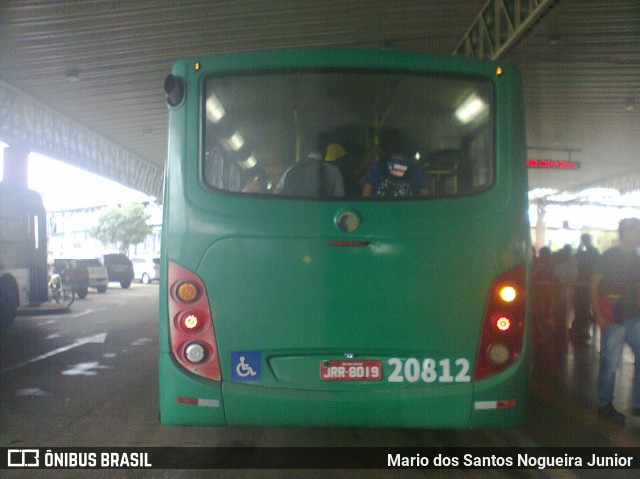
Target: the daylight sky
pixel 64 186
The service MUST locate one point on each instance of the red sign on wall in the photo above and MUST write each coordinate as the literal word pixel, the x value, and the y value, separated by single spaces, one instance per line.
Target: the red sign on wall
pixel 552 164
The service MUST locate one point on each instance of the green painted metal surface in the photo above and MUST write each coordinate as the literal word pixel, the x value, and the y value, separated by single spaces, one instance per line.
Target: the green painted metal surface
pixel 412 295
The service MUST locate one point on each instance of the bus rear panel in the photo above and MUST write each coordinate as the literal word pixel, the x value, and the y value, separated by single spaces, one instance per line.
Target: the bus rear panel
pixel 23 251
pixel 345 242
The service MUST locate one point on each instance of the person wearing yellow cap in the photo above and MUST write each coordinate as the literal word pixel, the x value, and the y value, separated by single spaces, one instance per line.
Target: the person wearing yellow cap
pixel 337 155
pixel 311 177
pixel 335 151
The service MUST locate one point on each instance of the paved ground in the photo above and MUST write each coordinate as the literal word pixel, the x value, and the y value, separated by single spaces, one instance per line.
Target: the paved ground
pixel 89 378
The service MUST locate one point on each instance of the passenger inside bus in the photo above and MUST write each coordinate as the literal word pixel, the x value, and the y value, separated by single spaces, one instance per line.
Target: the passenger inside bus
pixel 312 177
pixel 345 160
pixel 395 176
pixel 257 181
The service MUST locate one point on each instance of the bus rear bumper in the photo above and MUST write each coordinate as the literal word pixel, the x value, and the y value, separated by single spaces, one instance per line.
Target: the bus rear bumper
pixel 189 400
pixel 415 407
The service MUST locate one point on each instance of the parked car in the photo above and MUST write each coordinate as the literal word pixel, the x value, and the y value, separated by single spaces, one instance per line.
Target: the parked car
pixel 146 270
pixel 98 277
pixel 77 276
pixel 119 268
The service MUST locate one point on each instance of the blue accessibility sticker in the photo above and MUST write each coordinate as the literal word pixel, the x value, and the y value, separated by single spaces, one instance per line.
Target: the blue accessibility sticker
pixel 246 365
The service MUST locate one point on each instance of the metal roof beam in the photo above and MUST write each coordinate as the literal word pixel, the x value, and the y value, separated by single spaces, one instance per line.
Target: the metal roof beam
pixel 27 122
pixel 499 26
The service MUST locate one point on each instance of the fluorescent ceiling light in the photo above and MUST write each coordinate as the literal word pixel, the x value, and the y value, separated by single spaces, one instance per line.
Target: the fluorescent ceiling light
pixel 249 163
pixel 470 109
pixel 215 110
pixel 235 142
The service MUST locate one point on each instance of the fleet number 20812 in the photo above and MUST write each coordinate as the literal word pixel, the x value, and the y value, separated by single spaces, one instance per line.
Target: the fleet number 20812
pixel 429 370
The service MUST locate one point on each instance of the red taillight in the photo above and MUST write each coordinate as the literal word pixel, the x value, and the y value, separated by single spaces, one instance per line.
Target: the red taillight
pixel 193 340
pixel 192 320
pixel 504 323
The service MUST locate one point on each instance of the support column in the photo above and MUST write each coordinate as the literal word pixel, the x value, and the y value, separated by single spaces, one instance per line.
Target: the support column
pixel 541 227
pixel 16 165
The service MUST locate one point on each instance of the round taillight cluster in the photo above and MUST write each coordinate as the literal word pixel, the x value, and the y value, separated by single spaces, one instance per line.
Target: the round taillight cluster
pixel 193 339
pixel 498 352
pixel 503 330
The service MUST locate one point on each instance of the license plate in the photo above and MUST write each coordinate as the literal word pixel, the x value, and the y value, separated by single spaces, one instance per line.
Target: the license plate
pixel 351 370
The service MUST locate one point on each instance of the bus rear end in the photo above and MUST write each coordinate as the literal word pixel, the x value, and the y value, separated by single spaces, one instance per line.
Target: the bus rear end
pixel 23 251
pixel 345 242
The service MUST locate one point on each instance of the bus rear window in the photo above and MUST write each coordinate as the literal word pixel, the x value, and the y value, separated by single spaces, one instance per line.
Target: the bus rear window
pixel 348 134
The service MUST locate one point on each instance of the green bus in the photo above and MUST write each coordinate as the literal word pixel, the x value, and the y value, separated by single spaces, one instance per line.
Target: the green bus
pixel 345 241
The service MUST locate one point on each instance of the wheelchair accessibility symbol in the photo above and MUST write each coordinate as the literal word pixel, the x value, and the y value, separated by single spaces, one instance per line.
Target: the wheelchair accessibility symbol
pixel 243 370
pixel 246 365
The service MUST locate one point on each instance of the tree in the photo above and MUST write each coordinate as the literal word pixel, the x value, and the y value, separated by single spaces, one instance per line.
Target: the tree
pixel 122 226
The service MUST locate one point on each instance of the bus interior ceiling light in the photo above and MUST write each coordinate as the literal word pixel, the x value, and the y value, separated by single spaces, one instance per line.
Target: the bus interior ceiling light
pixel 235 141
pixel 249 163
pixel 215 110
pixel 470 109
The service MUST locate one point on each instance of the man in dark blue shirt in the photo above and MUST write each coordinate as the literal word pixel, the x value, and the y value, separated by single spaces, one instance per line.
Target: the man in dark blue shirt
pixel 395 177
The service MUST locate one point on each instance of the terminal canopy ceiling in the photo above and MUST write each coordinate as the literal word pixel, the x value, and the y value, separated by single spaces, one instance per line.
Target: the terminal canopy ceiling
pixel 102 64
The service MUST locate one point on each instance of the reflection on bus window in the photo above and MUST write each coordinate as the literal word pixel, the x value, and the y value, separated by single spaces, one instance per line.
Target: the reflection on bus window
pixel 263 131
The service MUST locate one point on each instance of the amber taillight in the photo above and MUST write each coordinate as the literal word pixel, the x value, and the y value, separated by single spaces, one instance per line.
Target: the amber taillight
pixel 193 339
pixel 504 323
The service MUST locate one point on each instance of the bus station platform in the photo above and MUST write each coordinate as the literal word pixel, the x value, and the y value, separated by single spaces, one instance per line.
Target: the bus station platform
pixel 564 377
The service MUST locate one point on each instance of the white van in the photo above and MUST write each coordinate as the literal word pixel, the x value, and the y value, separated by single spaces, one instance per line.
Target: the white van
pixel 98 276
